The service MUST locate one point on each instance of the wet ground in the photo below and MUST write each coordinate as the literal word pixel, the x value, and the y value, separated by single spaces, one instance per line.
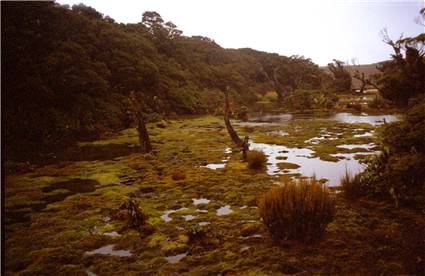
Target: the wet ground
pixel 207 222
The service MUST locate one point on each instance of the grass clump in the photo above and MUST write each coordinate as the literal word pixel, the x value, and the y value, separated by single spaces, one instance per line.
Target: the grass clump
pixel 351 186
pixel 297 210
pixel 256 159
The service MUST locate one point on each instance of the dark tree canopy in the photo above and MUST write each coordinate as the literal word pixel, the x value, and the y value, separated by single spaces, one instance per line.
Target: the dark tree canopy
pixel 341 77
pixel 403 77
pixel 67 73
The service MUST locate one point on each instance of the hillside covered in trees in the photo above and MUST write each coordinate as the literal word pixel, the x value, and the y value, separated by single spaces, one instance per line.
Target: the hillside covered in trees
pixel 81 66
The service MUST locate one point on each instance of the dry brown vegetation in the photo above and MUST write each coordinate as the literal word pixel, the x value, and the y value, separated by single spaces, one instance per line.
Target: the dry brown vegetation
pixel 297 210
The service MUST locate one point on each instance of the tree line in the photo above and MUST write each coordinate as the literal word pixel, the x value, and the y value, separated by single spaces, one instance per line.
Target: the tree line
pixel 68 73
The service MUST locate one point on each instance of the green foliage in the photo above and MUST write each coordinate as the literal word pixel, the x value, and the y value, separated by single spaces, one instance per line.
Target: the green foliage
pixel 194 231
pixel 256 159
pixel 310 99
pixel 297 210
pixel 378 102
pixel 341 77
pixel 398 173
pixel 71 76
pixel 402 77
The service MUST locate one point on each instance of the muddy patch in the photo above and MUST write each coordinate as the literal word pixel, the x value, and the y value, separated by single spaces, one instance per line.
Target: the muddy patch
pixel 109 250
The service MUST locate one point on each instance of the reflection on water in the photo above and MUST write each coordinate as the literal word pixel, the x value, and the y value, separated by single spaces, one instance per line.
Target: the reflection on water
pixel 354 146
pixel 341 117
pixel 166 216
pixel 225 210
pixel 273 153
pixel 309 165
pixel 373 120
pixel 333 171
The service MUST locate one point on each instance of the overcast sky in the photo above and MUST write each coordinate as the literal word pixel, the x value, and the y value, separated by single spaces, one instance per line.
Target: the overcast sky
pixel 320 30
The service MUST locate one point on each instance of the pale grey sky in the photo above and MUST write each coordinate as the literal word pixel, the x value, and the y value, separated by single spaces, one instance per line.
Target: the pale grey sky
pixel 320 30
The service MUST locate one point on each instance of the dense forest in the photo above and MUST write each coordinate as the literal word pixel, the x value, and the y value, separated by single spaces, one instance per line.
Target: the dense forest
pixel 81 66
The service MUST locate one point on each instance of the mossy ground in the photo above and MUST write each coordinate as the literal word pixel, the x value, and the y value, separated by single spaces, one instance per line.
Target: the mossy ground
pixel 50 237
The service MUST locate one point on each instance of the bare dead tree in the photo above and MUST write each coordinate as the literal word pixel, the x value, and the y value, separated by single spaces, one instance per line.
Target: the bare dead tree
pixel 362 77
pixel 229 127
pixel 144 141
pixel 277 86
pixel 245 148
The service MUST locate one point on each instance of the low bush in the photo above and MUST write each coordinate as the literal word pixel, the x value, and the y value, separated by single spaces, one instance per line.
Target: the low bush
pixel 256 159
pixel 297 210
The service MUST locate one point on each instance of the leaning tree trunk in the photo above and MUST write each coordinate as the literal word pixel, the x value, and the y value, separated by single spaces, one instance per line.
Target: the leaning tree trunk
pixel 144 141
pixel 229 127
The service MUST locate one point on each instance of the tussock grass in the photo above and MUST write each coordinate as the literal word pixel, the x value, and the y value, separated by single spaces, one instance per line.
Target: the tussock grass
pixel 298 210
pixel 351 186
pixel 256 159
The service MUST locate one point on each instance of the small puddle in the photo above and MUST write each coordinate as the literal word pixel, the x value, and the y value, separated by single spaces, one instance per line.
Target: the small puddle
pixel 353 146
pixel 254 236
pixel 89 273
pixel 244 248
pixel 198 201
pixel 109 250
pixel 215 166
pixel 188 217
pixel 203 223
pixel 225 210
pixel 175 258
pixel 166 216
pixel 112 234
pixel 366 134
pixel 280 133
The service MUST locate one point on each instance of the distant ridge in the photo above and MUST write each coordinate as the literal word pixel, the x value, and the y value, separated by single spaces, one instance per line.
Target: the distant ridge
pixel 368 69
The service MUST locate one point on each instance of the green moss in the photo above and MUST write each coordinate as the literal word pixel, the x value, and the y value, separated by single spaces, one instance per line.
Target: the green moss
pixel 78 222
pixel 288 166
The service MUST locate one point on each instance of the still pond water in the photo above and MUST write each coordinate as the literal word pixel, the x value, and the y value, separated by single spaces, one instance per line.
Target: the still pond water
pixel 304 157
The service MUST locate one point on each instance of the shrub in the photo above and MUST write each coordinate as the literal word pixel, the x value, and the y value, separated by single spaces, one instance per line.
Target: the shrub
pixel 178 175
pixel 256 159
pixel 377 102
pixel 195 232
pixel 398 174
pixel 297 210
pixel 271 96
pixel 351 186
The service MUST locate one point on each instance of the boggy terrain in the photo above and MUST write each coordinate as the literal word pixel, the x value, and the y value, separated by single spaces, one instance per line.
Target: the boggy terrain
pixel 201 202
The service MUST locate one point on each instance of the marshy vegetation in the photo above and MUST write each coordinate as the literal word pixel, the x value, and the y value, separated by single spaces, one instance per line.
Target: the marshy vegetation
pixel 130 168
